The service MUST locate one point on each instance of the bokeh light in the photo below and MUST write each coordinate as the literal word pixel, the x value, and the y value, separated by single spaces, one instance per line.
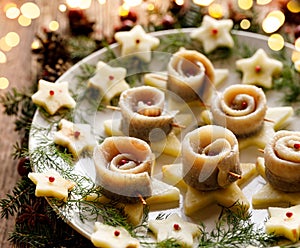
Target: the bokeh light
pixel 263 2
pixel 12 12
pixel 273 21
pixel 297 44
pixel 4 83
pixel 133 3
pixel 82 4
pixel 276 42
pixel 3 58
pixel 30 10
pixel 12 39
pixel 293 6
pixel 62 8
pixel 245 24
pixel 179 2
pixel 215 10
pixel 102 2
pixel 53 26
pixel 4 46
pixel 203 2
pixel 24 21
pixel 245 4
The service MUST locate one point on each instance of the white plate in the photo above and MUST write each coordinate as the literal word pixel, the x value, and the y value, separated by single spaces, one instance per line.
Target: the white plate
pixel 85 167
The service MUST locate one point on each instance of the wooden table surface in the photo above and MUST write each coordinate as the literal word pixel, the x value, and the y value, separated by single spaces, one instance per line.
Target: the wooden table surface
pixel 18 71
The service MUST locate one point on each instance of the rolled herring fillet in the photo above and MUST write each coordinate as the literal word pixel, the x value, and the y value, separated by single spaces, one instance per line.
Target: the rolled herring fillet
pixel 240 108
pixel 190 75
pixel 143 113
pixel 210 158
pixel 282 161
pixel 123 167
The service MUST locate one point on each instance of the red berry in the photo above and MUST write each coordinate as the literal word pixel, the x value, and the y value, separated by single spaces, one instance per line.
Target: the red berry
pixel 244 105
pixel 214 31
pixel 289 214
pixel 176 227
pixel 257 68
pixel 111 77
pixel 297 146
pixel 51 92
pixel 51 179
pixel 76 134
pixel 117 233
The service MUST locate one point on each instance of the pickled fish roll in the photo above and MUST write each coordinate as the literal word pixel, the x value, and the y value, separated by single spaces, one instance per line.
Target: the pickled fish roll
pixel 210 158
pixel 190 75
pixel 123 167
pixel 240 108
pixel 143 113
pixel 282 161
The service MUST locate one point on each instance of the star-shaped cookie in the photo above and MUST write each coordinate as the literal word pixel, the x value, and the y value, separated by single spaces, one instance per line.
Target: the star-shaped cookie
pixel 174 227
pixel 284 222
pixel 214 33
pixel 51 184
pixel 109 81
pixel 137 42
pixel 108 236
pixel 259 69
pixel 76 137
pixel 53 96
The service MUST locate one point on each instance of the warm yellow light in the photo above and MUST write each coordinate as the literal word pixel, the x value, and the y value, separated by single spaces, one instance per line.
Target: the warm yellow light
pixel 12 12
pixel 279 15
pixel 245 4
pixel 123 10
pixel 295 56
pixel 270 24
pixel 53 26
pixel 30 10
pixel 24 21
pixel 263 2
pixel 3 83
pixel 245 24
pixel 102 2
pixel 276 42
pixel 133 3
pixel 297 44
pixel 179 2
pixel 36 44
pixel 215 10
pixel 203 3
pixel 82 4
pixel 4 46
pixel 8 5
pixel 150 7
pixel 293 6
pixel 12 39
pixel 3 58
pixel 62 8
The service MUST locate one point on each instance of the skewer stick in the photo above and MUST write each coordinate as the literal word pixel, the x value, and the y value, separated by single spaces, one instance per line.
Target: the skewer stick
pixel 142 199
pixel 234 175
pixel 261 150
pixel 178 125
pixel 113 107
pixel 269 120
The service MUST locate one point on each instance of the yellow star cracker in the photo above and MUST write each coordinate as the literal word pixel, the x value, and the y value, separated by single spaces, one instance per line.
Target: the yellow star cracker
pixel 106 236
pixel 214 33
pixel 174 227
pixel 137 42
pixel 259 69
pixel 76 137
pixel 109 81
pixel 53 96
pixel 284 222
pixel 51 184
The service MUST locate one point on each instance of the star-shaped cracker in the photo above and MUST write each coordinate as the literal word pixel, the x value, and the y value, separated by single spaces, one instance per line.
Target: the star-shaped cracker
pixel 274 119
pixel 51 184
pixel 53 96
pixel 284 222
pixel 109 81
pixel 259 69
pixel 109 236
pixel 267 196
pixel 137 42
pixel 214 33
pixel 76 137
pixel 174 227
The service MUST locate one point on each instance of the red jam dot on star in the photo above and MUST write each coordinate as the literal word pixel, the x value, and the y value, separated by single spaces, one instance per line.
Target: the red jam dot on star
pixel 176 227
pixel 51 92
pixel 214 31
pixel 297 146
pixel 244 105
pixel 51 179
pixel 123 161
pixel 76 134
pixel 257 68
pixel 117 233
pixel 137 41
pixel 289 214
pixel 111 77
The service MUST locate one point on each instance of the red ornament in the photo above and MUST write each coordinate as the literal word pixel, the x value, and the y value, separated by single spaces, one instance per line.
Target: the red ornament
pixel 289 214
pixel 176 227
pixel 297 146
pixel 51 92
pixel 257 68
pixel 51 179
pixel 117 233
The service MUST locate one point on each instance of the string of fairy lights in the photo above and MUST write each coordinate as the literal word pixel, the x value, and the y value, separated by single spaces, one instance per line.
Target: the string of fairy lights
pixel 27 12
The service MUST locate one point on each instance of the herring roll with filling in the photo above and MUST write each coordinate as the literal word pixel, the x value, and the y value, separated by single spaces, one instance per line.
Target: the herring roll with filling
pixel 240 108
pixel 190 75
pixel 210 158
pixel 282 161
pixel 123 166
pixel 144 115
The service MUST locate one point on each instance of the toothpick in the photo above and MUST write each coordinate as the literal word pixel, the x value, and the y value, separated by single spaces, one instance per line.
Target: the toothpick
pixel 177 125
pixel 234 175
pixel 261 150
pixel 113 107
pixel 142 199
pixel 269 120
